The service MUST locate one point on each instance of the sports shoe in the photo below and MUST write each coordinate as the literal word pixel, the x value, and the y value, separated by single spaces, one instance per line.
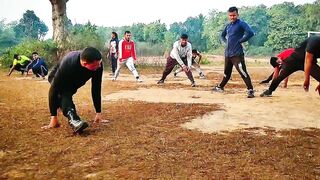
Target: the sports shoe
pixel 266 93
pixel 193 84
pixel 160 81
pixel 202 76
pixel 113 79
pixel 250 93
pixel 138 80
pixel 75 122
pixel 218 89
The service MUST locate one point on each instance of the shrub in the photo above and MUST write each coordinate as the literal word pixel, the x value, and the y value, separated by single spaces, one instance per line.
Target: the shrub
pixel 46 49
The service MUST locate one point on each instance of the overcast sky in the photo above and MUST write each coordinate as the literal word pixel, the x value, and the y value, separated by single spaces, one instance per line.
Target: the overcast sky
pixel 126 12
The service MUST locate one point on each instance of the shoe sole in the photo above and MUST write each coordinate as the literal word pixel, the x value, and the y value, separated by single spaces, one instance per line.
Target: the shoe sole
pixel 83 126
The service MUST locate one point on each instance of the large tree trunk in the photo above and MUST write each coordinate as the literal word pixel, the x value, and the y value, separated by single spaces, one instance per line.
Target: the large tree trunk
pixel 59 23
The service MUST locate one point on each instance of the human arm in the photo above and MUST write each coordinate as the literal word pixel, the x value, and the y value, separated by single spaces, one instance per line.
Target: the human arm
pixel 133 51
pixel 11 70
pixel 120 50
pixel 285 85
pixel 223 35
pixel 318 89
pixel 96 81
pixel 248 32
pixel 307 70
pixel 200 58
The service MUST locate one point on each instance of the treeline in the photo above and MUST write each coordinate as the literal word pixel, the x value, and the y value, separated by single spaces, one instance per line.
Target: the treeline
pixel 278 27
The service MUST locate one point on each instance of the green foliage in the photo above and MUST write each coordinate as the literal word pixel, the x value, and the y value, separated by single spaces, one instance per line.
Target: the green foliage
pixel 46 49
pixel 284 31
pixel 82 36
pixel 145 49
pixel 169 39
pixel 7 36
pixel 154 32
pixel 213 28
pixel 30 26
pixel 259 51
pixel 258 19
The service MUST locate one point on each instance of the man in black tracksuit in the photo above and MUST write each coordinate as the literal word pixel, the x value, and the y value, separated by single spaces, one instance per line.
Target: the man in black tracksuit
pixel 303 58
pixel 234 34
pixel 74 70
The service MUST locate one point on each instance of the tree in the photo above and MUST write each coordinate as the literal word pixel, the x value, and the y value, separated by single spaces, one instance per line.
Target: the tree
pixel 194 27
pixel 154 32
pixel 137 32
pixel 258 19
pixel 284 31
pixel 59 22
pixel 7 36
pixel 213 28
pixel 30 26
pixel 310 20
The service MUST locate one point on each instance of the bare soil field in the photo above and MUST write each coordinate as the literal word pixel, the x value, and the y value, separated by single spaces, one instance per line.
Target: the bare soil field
pixel 170 131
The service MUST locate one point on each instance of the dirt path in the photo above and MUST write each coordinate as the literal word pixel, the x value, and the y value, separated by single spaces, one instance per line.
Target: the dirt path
pixel 288 109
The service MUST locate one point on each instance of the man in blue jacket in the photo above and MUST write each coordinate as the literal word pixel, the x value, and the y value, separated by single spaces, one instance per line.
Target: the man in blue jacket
pixel 234 34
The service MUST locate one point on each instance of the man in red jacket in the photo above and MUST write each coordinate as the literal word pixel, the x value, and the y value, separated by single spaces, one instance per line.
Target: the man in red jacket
pixel 127 55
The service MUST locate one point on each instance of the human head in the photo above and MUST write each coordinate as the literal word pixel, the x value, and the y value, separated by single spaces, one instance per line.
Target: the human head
pixel 16 56
pixel 91 58
pixel 233 14
pixel 114 35
pixel 35 55
pixel 127 35
pixel 183 39
pixel 194 53
pixel 274 62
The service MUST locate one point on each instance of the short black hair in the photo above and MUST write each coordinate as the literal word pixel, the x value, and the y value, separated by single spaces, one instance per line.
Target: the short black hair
pixel 184 36
pixel 35 53
pixel 273 62
pixel 233 9
pixel 90 54
pixel 194 51
pixel 15 56
pixel 127 32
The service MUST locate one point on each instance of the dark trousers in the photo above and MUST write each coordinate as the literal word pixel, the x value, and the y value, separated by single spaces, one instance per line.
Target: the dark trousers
pixel 20 67
pixel 171 63
pixel 292 65
pixel 40 71
pixel 61 100
pixel 238 62
pixel 113 60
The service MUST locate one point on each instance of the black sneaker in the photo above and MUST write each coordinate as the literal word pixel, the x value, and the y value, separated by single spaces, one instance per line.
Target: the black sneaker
pixel 266 93
pixel 76 123
pixel 193 84
pixel 160 81
pixel 218 89
pixel 174 74
pixel 250 93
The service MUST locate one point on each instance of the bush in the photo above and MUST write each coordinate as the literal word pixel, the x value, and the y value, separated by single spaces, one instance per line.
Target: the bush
pixel 259 51
pixel 46 49
pixel 146 49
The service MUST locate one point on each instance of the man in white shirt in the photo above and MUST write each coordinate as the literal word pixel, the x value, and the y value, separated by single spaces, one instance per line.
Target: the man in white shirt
pixel 181 54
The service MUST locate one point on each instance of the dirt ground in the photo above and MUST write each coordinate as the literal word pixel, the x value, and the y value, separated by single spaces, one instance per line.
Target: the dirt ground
pixel 161 132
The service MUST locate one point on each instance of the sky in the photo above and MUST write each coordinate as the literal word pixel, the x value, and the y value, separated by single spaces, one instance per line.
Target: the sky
pixel 126 12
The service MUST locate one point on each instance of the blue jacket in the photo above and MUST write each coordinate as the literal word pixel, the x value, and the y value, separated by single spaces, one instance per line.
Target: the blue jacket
pixel 233 35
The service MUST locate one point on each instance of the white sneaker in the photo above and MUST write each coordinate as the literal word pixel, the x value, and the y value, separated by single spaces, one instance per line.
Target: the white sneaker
pixel 113 79
pixel 139 80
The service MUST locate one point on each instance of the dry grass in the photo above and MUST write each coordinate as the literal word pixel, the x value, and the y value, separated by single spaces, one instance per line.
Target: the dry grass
pixel 143 140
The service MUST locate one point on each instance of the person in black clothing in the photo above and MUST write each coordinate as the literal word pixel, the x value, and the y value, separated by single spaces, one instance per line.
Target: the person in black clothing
pixel 74 70
pixel 113 51
pixel 234 34
pixel 303 58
